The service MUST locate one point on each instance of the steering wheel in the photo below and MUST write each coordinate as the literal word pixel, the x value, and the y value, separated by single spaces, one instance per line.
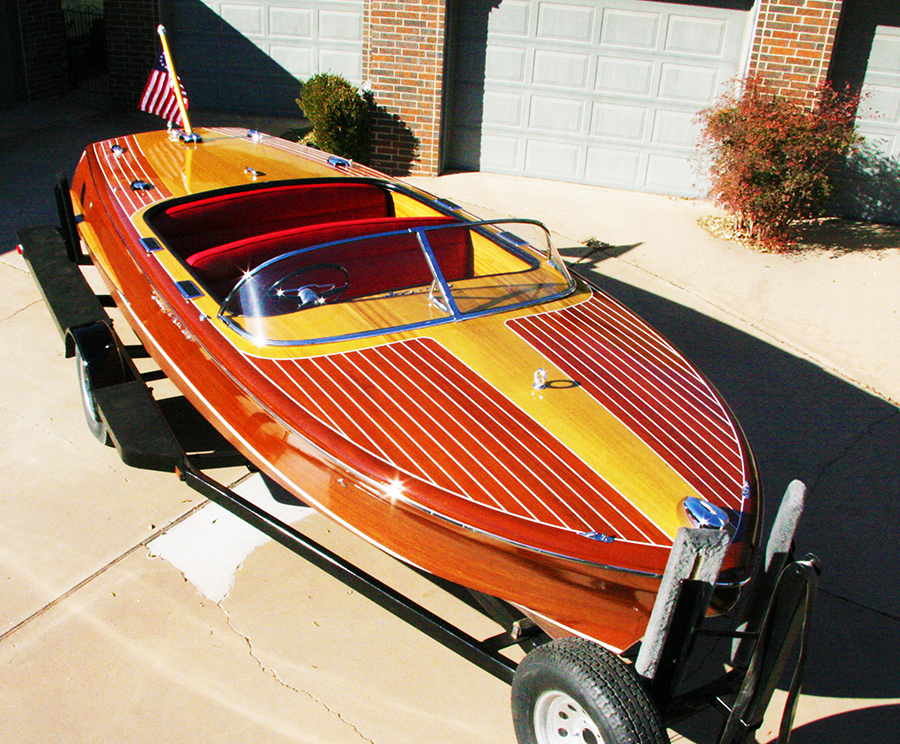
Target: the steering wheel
pixel 310 286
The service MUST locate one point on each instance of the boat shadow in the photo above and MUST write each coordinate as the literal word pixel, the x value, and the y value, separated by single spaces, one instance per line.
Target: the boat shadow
pixel 844 443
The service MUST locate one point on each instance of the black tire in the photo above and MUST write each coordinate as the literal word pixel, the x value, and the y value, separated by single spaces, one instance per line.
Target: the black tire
pixel 573 690
pixel 91 414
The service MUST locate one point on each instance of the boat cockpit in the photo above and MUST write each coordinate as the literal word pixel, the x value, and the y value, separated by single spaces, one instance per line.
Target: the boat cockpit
pixel 303 262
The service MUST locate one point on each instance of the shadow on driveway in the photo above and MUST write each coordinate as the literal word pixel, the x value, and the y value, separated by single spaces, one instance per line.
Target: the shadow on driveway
pixel 844 443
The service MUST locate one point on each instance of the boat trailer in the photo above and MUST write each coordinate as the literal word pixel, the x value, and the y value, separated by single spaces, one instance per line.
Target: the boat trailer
pixel 121 411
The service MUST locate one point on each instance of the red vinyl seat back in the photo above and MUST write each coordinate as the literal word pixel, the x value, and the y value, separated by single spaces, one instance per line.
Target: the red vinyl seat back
pixel 196 226
pixel 376 265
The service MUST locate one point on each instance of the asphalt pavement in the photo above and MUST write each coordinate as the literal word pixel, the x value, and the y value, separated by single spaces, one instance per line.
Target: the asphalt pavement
pixel 131 609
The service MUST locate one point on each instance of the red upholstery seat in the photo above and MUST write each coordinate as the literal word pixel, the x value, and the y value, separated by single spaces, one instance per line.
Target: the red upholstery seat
pixel 196 226
pixel 375 265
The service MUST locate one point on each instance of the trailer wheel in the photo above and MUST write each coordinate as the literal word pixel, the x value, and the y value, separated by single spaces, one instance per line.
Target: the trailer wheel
pixel 573 690
pixel 91 413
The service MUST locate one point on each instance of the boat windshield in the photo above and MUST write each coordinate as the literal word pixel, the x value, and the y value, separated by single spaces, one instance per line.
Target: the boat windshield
pixel 398 280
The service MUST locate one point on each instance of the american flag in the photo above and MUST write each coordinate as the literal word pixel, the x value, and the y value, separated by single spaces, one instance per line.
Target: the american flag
pixel 159 94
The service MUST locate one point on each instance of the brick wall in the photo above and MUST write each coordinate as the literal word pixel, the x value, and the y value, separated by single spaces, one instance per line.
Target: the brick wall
pixel 403 59
pixel 793 44
pixel 44 43
pixel 133 45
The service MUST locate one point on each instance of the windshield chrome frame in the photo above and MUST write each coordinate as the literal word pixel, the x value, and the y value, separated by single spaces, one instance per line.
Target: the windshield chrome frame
pixel 453 313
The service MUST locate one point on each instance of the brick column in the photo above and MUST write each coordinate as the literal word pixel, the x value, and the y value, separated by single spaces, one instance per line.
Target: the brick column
pixel 793 43
pixel 403 59
pixel 44 44
pixel 133 44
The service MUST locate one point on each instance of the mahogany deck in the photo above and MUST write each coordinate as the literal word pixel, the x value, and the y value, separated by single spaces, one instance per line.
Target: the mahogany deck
pixel 446 409
pixel 414 405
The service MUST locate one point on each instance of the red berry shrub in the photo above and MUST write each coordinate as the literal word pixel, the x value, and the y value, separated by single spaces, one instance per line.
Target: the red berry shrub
pixel 769 158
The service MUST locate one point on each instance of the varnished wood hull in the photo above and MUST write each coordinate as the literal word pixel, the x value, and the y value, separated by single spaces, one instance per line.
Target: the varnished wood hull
pixel 424 506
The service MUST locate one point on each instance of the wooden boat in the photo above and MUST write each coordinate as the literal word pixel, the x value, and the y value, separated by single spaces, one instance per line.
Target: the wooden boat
pixel 439 385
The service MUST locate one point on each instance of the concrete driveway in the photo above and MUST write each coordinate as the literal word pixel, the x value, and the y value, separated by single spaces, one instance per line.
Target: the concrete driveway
pixel 131 609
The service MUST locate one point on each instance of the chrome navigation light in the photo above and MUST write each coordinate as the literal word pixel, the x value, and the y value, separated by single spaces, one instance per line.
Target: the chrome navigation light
pixel 701 513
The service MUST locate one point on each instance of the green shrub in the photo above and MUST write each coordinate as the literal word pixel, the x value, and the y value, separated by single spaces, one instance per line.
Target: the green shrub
pixel 769 158
pixel 340 115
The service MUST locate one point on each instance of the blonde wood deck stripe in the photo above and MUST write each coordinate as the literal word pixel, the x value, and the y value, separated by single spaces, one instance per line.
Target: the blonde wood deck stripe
pixel 611 360
pixel 474 417
pixel 474 443
pixel 318 156
pixel 597 509
pixel 524 441
pixel 641 384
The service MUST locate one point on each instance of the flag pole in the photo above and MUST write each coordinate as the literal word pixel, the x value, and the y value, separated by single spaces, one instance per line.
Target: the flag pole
pixel 189 136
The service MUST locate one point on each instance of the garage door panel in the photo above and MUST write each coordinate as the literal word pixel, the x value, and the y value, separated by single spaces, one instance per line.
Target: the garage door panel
pixel 629 77
pixel 667 173
pixel 879 112
pixel 674 128
pixel 565 22
pixel 348 64
pixel 630 29
pixel 503 153
pixel 688 84
pixel 248 19
pixel 339 25
pixel 695 36
pixel 297 61
pixel 510 18
pixel 615 121
pixel 552 159
pixel 560 69
pixel 885 55
pixel 291 23
pixel 563 115
pixel 505 65
pixel 614 167
pixel 504 109
pixel 600 73
pixel 881 105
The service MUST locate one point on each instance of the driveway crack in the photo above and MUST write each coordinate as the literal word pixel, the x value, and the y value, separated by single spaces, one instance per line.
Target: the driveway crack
pixel 274 675
pixel 20 310
pixel 851 446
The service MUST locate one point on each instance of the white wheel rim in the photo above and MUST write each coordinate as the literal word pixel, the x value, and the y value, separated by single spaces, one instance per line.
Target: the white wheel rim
pixel 560 719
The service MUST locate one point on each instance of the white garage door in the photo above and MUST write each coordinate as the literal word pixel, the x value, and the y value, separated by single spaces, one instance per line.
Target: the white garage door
pixel 250 55
pixel 867 56
pixel 595 91
pixel 879 113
